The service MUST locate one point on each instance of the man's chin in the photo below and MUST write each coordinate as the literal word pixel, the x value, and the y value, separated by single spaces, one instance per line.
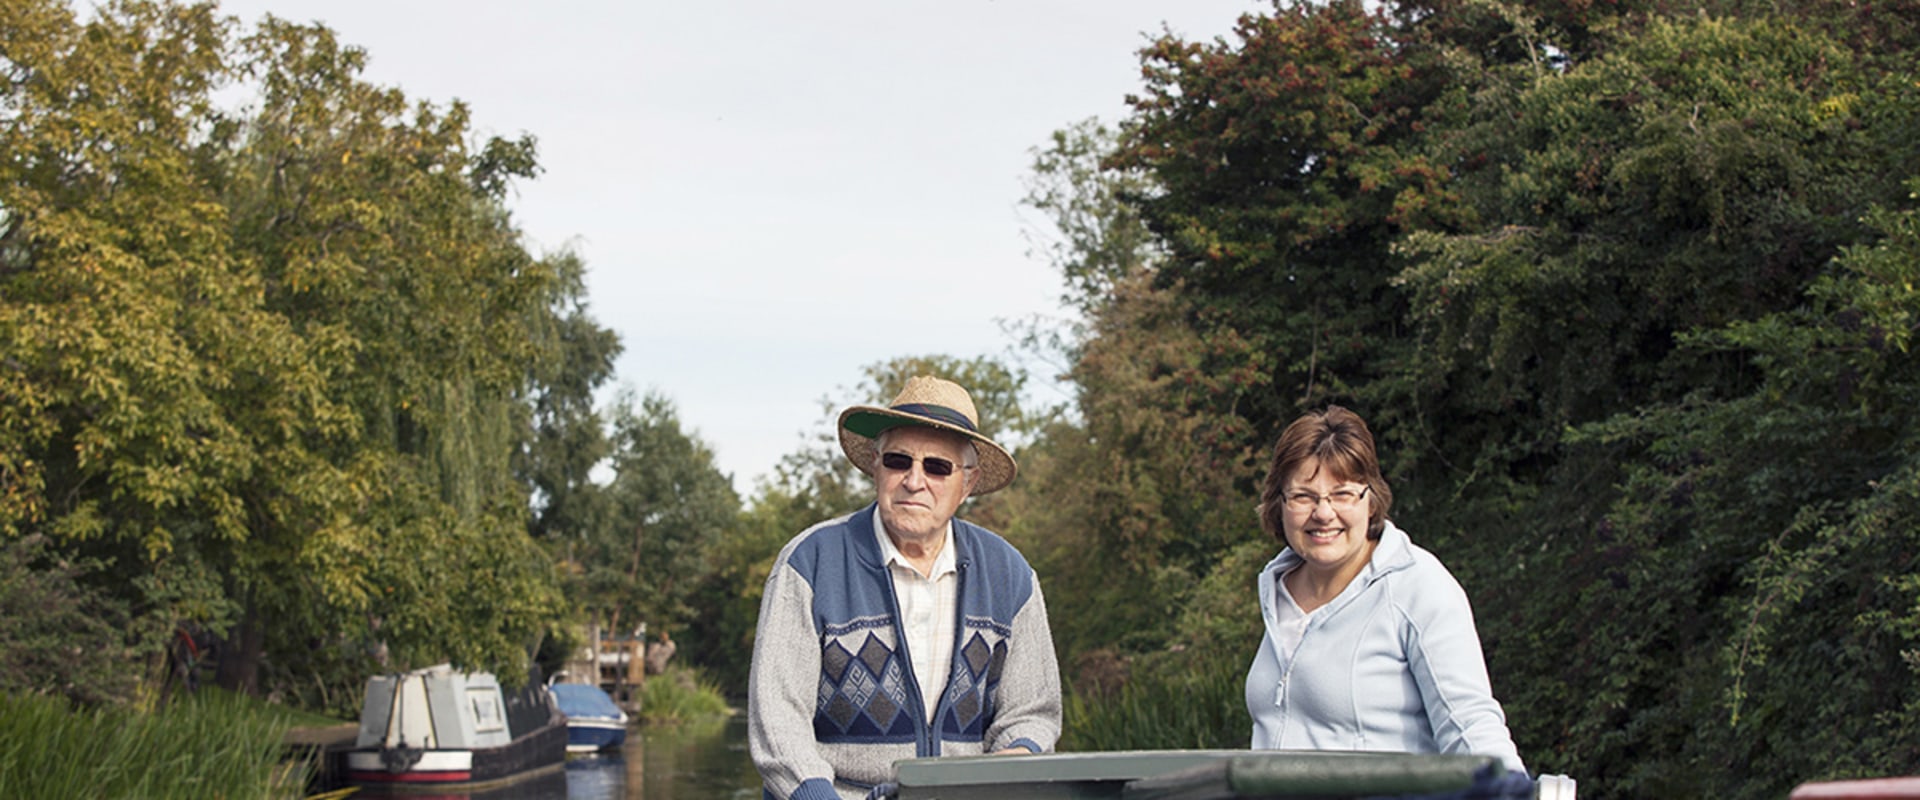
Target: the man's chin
pixel 916 525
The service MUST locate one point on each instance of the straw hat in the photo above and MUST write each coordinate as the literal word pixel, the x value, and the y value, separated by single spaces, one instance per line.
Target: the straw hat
pixel 932 403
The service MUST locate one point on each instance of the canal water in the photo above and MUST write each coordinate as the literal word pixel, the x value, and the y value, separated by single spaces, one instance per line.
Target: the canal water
pixel 704 760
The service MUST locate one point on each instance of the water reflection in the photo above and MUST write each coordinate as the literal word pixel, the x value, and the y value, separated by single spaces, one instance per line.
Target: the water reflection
pixel 700 760
pixel 555 785
pixel 705 760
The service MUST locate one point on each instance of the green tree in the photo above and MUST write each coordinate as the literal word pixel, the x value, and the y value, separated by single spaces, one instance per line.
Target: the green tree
pixel 380 235
pixel 1723 171
pixel 1283 168
pixel 567 439
pixel 1094 235
pixel 1126 503
pixel 1576 265
pixel 146 388
pixel 267 362
pixel 1699 176
pixel 1784 514
pixel 671 507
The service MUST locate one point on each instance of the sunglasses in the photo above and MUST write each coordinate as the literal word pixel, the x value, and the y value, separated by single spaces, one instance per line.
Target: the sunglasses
pixel 901 462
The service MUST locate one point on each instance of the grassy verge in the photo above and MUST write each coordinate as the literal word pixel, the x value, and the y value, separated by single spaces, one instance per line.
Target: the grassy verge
pixel 678 695
pixel 210 745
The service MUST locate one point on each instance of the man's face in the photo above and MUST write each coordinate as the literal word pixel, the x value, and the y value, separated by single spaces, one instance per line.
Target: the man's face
pixel 914 503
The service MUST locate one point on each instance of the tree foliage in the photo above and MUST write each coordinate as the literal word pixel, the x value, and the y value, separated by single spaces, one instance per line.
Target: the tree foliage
pixel 1626 292
pixel 269 361
pixel 670 507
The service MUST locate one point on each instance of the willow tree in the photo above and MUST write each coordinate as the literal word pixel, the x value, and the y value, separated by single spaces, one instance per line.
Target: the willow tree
pixel 380 230
pixel 268 362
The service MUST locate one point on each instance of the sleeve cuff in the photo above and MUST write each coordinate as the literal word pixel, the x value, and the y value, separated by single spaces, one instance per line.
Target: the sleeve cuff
pixel 812 789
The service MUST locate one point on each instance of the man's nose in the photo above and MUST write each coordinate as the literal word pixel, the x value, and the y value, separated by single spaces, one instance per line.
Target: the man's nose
pixel 915 477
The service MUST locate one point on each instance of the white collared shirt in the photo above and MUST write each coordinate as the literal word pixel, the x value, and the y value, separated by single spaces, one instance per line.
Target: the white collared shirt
pixel 927 608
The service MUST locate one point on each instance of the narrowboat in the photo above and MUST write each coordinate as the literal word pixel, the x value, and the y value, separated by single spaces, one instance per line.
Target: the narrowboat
pixel 436 729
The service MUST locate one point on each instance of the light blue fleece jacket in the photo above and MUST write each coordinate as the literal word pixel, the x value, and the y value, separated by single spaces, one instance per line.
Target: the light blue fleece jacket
pixel 1392 664
pixel 832 700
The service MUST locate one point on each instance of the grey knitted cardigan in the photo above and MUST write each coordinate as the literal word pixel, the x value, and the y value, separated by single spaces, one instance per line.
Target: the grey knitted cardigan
pixel 832 698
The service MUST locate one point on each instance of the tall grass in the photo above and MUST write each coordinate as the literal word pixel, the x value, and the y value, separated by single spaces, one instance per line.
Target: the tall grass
pixel 1202 706
pixel 678 695
pixel 211 745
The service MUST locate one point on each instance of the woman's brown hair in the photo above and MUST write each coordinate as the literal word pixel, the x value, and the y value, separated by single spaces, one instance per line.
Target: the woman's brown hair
pixel 1335 439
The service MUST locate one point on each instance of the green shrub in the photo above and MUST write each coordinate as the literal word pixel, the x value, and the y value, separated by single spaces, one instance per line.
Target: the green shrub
pixel 1168 703
pixel 57 636
pixel 680 694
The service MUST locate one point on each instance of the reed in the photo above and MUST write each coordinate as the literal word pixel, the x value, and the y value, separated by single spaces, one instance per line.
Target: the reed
pixel 678 695
pixel 212 745
pixel 1200 707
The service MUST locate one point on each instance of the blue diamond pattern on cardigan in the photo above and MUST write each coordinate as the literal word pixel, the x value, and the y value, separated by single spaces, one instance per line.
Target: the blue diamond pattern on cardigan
pixel 863 691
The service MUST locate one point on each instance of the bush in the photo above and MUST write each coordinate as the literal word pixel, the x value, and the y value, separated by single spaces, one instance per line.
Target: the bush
pixel 678 695
pixel 1171 701
pixel 57 636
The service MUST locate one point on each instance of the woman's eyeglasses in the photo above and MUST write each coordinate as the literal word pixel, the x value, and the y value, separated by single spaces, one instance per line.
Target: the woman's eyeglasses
pixel 1340 499
pixel 901 462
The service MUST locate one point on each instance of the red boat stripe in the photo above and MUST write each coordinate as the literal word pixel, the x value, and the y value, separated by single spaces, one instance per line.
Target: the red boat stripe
pixel 410 777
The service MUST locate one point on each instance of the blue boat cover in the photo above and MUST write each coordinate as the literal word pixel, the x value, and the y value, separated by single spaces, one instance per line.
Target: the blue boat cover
pixel 580 701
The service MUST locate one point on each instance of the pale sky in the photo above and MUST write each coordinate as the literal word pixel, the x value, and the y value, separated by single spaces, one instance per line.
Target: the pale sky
pixel 770 196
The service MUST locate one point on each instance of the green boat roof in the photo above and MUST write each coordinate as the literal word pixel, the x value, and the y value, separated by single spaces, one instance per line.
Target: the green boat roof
pixel 1187 775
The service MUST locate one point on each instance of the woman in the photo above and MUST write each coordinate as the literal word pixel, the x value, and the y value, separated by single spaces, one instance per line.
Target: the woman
pixel 1370 643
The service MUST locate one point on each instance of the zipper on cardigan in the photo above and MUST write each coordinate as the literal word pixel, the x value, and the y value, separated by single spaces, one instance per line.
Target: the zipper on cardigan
pixel 924 744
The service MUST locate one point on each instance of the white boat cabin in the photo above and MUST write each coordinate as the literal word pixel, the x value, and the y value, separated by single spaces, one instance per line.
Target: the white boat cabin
pixel 434 708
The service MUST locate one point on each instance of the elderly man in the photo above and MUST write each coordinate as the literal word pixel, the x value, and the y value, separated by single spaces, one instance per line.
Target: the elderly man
pixel 899 631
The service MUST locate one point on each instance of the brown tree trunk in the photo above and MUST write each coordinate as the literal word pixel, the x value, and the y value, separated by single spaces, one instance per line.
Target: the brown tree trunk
pixel 239 667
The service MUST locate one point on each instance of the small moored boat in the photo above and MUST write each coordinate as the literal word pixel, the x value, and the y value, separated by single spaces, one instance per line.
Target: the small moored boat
pixel 594 721
pixel 454 730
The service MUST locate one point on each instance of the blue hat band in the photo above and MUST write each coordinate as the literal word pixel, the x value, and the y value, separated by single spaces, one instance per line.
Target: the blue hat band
pixel 939 413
